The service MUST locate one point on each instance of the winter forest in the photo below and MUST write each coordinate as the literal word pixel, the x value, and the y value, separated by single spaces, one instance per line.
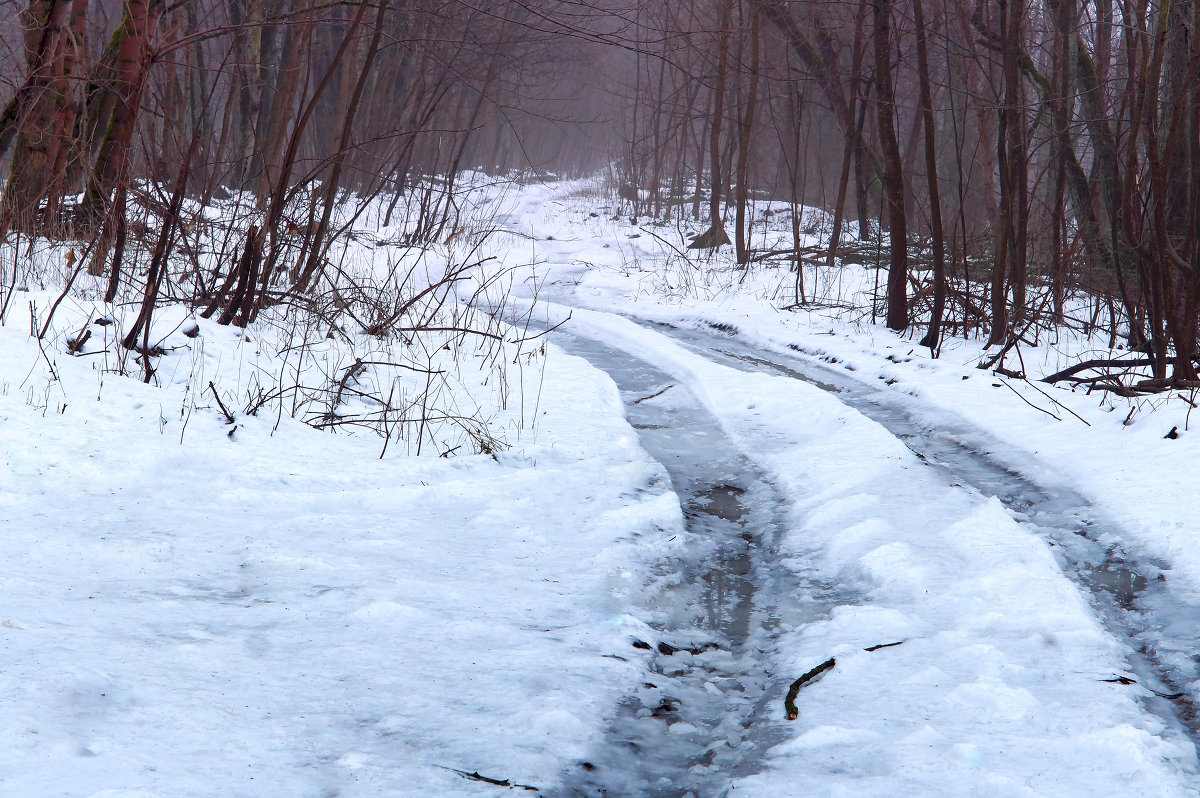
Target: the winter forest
pixel 589 398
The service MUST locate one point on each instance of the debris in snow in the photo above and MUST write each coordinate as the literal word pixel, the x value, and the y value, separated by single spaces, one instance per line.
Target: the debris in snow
pixel 668 650
pixel 789 703
pixel 220 404
pixel 885 645
pixel 75 345
pixel 475 776
pixel 665 707
pixel 653 395
pixel 712 238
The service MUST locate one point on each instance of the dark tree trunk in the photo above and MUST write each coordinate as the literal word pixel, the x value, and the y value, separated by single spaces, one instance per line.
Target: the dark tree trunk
pixel 716 231
pixel 893 176
pixel 744 132
pixel 933 337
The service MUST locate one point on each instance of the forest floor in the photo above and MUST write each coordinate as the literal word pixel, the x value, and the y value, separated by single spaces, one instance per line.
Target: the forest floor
pixel 194 607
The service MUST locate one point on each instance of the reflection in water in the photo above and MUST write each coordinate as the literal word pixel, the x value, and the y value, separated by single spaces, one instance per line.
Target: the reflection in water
pixel 721 501
pixel 1117 578
pixel 728 595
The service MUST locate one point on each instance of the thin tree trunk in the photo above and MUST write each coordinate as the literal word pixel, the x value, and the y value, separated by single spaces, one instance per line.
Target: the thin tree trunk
pixel 933 337
pixel 28 119
pixel 69 108
pixel 839 208
pixel 133 59
pixel 716 230
pixel 893 177
pixel 311 271
pixel 744 131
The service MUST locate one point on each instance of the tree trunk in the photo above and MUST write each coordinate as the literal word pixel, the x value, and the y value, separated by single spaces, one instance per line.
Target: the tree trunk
pixel 133 61
pixel 933 337
pixel 893 177
pixel 716 229
pixel 33 110
pixel 744 131
pixel 70 105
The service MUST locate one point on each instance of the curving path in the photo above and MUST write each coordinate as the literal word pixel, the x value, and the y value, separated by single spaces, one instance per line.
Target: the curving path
pixel 782 570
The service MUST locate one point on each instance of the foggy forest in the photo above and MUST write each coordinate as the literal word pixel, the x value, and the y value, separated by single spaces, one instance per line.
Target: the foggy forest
pixel 630 398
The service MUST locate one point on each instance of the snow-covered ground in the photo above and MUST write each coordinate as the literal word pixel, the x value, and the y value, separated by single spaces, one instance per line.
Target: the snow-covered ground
pixel 193 610
pixel 1113 449
pixel 196 609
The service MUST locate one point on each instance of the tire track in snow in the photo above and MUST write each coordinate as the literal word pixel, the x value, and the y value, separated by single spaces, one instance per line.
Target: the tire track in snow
pixel 1131 593
pixel 693 725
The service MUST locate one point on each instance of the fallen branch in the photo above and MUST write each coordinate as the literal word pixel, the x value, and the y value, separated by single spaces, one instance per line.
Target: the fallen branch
pixel 883 645
pixel 352 373
pixel 654 395
pixel 988 363
pixel 1097 364
pixel 1127 680
pixel 476 776
pixel 789 703
pixel 1157 386
pixel 1031 404
pixel 678 251
pixel 541 333
pixel 1057 403
pixel 220 404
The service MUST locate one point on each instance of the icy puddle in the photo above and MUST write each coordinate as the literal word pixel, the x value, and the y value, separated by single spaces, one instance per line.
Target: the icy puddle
pixel 693 725
pixel 1132 594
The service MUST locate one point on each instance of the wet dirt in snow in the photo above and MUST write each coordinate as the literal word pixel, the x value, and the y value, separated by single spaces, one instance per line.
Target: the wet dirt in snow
pixel 1131 593
pixel 702 715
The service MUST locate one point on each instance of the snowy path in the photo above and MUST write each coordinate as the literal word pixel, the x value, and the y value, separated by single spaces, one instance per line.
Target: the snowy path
pixel 700 714
pixel 1037 627
pixel 1006 681
pixel 1133 592
pixel 192 611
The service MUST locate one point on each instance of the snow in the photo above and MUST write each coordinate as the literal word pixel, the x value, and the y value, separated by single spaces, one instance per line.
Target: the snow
pixel 282 613
pixel 196 610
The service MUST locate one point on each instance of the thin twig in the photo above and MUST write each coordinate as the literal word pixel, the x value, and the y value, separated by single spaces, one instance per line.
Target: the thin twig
pixel 1026 401
pixel 220 404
